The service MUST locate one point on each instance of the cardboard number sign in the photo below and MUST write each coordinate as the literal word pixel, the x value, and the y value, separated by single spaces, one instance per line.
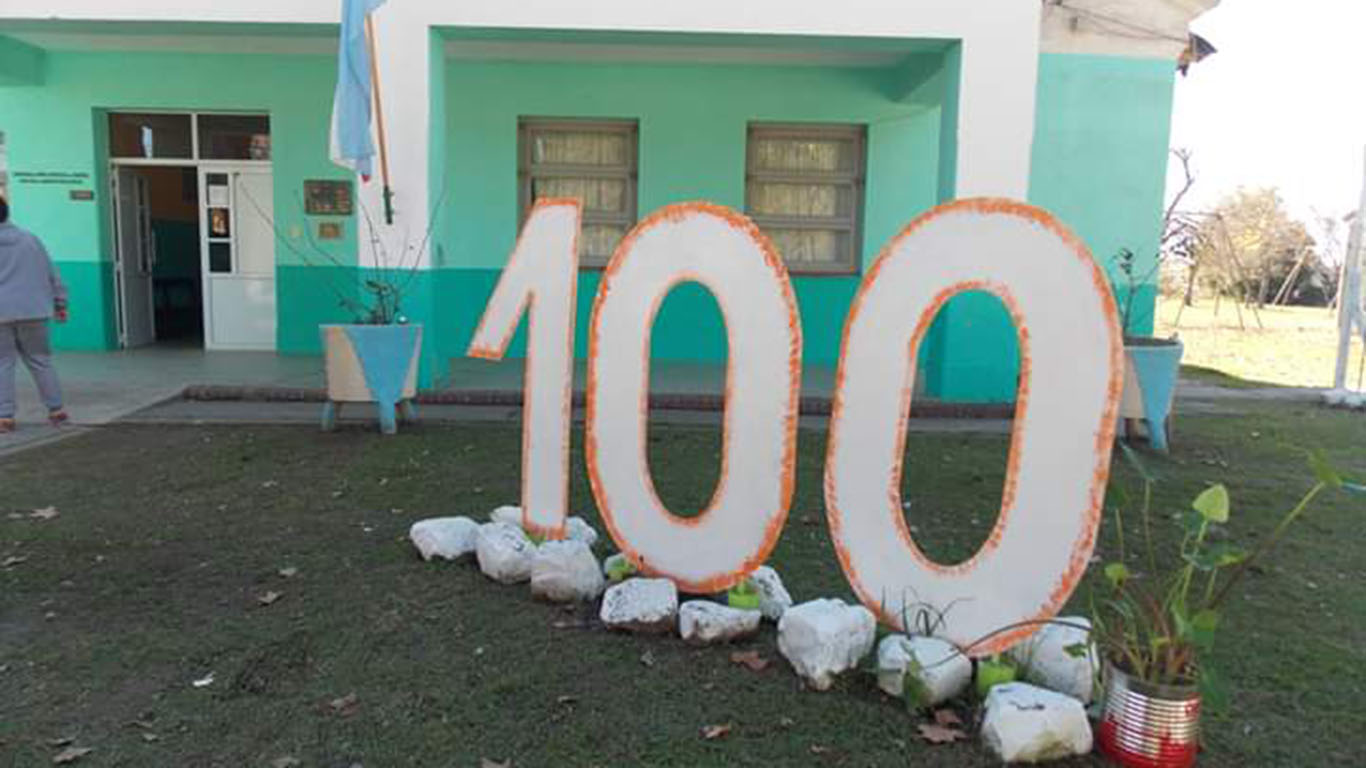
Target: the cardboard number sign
pixel 540 280
pixel 1071 358
pixel 725 252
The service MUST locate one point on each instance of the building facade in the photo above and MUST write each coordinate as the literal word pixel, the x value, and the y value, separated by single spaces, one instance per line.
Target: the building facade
pixel 174 156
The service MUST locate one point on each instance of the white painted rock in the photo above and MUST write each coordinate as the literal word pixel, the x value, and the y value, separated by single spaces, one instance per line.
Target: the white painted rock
pixel 578 529
pixel 641 605
pixel 823 638
pixel 702 622
pixel 941 670
pixel 1043 658
pixel 1027 724
pixel 565 572
pixel 504 552
pixel 446 537
pixel 773 597
pixel 507 514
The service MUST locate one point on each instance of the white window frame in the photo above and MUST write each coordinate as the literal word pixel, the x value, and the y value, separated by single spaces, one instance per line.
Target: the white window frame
pixel 848 263
pixel 194 158
pixel 528 172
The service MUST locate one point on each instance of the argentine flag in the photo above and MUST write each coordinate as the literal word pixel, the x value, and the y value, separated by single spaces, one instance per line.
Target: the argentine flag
pixel 352 145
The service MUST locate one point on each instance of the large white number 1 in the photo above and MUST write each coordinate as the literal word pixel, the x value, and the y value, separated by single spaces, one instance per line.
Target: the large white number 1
pixel 540 280
pixel 725 252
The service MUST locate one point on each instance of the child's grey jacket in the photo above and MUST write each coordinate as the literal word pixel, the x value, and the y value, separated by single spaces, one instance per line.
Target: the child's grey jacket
pixel 30 288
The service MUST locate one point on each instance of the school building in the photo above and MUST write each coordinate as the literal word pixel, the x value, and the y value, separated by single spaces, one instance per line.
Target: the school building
pixel 174 155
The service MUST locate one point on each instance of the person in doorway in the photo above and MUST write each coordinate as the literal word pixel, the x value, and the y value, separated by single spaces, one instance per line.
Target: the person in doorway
pixel 31 294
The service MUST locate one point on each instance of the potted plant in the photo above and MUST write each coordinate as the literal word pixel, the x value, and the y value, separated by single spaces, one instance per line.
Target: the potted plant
pixel 1151 365
pixel 1153 630
pixel 744 596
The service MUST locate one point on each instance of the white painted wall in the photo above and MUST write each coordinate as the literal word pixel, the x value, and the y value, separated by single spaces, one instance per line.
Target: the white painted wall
pixel 1156 29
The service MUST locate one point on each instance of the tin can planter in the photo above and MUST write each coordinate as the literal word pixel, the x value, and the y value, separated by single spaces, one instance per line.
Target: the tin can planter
pixel 1149 726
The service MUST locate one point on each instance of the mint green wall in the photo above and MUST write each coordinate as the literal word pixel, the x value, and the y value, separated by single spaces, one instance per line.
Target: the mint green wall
pixel 1100 156
pixel 60 126
pixel 692 124
pixel 1099 165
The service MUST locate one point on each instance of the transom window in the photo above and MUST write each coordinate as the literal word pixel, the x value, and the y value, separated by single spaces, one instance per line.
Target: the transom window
pixel 804 188
pixel 188 136
pixel 593 161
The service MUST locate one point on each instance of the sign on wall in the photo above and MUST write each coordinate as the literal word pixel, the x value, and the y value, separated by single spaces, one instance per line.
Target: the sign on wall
pixel 1071 374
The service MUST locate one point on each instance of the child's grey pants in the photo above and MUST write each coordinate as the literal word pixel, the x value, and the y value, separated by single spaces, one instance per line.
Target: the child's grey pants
pixel 27 339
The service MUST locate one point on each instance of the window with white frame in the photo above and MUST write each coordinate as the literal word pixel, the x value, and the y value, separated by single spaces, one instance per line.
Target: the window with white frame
pixel 804 188
pixel 593 161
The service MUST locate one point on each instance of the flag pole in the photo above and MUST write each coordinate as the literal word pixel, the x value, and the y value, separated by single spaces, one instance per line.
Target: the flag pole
pixel 379 123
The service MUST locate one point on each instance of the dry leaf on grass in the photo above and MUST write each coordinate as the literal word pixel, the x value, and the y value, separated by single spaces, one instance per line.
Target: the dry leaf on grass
pixel 46 513
pixel 288 761
pixel 947 717
pixel 61 741
pixel 345 706
pixel 938 734
pixel 567 700
pixel 12 561
pixel 751 659
pixel 203 682
pixel 487 763
pixel 648 659
pixel 150 737
pixel 269 597
pixel 714 732
pixel 71 755
pixel 818 749
pixel 289 572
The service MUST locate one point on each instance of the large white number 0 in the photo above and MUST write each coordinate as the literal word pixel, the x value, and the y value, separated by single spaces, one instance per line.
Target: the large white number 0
pixel 1071 360
pixel 540 280
pixel 725 252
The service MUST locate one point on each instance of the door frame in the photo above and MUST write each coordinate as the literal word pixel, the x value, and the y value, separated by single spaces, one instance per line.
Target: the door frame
pixel 232 168
pixel 194 162
pixel 121 262
pixel 201 169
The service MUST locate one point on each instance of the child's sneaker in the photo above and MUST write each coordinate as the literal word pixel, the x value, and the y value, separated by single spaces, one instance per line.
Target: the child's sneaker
pixel 58 417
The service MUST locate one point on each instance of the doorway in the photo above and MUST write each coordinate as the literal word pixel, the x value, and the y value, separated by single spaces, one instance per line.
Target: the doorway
pixel 157 270
pixel 193 229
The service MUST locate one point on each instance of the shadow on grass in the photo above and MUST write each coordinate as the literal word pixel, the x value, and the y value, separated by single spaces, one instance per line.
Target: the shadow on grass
pixel 1216 378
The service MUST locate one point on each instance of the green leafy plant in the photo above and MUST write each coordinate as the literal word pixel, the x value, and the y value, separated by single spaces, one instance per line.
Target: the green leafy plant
pixel 744 595
pixel 1159 624
pixel 993 672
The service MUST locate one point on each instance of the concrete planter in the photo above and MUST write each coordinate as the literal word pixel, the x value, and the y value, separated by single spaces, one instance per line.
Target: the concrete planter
pixel 377 371
pixel 1151 369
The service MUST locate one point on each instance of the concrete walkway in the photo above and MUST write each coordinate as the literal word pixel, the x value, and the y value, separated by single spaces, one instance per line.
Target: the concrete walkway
pixel 102 388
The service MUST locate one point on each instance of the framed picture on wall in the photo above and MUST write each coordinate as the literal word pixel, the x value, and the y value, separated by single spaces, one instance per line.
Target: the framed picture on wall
pixel 323 197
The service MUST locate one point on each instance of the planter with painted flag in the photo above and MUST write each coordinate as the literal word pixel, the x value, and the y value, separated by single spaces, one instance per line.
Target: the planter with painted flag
pixel 372 364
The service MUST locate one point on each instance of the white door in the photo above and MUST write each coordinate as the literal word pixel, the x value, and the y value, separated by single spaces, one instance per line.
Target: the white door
pixel 238 255
pixel 134 258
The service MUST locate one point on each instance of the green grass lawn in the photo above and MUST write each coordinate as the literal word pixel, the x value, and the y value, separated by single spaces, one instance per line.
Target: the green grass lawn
pixel 149 577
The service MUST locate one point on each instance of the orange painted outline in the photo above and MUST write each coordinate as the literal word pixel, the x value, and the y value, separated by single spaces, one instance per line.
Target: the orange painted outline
pixel 677 213
pixel 527 305
pixel 1085 543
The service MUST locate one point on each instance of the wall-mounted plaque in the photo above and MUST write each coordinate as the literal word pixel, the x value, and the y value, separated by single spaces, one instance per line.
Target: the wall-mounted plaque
pixel 82 194
pixel 327 198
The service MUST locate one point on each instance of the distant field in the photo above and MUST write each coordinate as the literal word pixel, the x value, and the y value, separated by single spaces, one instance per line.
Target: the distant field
pixel 1293 346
